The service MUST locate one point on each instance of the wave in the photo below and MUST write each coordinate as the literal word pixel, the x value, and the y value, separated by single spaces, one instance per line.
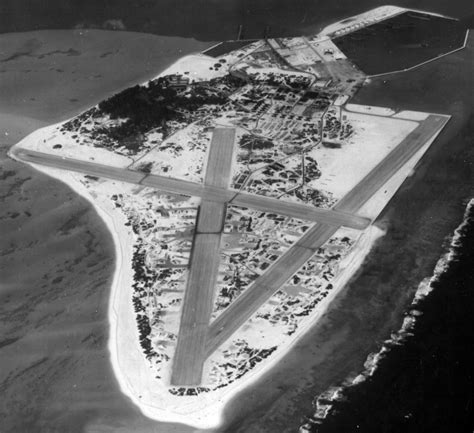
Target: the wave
pixel 324 402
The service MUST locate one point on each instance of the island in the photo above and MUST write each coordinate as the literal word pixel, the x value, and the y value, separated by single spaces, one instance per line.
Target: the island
pixel 241 186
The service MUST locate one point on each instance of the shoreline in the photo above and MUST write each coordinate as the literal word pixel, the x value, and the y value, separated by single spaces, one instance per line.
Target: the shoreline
pixel 104 295
pixel 162 52
pixel 327 405
pixel 154 401
pixel 324 402
pixel 209 412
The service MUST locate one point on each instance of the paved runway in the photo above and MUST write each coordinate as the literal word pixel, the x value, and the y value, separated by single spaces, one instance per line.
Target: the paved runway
pixel 197 340
pixel 219 161
pixel 266 285
pixel 207 192
pixel 90 168
pixel 393 162
pixel 301 211
pixel 198 300
pixel 211 217
pixel 282 270
pixel 197 307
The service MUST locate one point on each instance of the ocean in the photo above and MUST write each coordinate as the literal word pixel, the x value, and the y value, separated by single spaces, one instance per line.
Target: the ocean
pixel 56 254
pixel 207 20
pixel 425 211
pixel 423 380
pixel 57 257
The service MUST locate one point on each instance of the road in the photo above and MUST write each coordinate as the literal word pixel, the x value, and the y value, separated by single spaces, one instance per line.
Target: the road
pixel 207 192
pixel 190 354
pixel 284 268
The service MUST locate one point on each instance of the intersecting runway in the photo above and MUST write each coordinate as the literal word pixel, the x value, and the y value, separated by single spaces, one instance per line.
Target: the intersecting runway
pixel 284 268
pixel 198 338
pixel 198 301
pixel 206 192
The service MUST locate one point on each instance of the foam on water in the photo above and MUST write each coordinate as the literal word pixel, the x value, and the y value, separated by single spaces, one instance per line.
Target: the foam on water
pixel 324 402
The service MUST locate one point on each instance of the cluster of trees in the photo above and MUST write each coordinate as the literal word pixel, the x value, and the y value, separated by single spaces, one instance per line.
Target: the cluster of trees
pixel 151 106
pixel 314 196
pixel 145 167
pixel 147 107
pixel 255 357
pixel 312 170
pixel 232 82
pixel 75 123
pixel 292 82
pixel 141 282
pixel 235 287
pixel 188 391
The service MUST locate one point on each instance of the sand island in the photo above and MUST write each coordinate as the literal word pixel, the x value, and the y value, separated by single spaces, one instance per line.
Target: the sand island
pixel 240 186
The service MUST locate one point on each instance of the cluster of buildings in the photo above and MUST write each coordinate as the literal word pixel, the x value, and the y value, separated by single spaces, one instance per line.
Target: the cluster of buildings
pixel 279 112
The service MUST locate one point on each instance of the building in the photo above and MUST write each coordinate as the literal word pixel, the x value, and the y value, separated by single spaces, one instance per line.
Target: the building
pixel 178 82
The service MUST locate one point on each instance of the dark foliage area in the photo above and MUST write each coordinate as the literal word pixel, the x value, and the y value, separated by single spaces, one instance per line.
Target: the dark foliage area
pixel 142 109
pixel 152 106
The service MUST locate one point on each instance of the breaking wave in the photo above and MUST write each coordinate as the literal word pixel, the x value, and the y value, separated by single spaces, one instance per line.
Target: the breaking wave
pixel 324 402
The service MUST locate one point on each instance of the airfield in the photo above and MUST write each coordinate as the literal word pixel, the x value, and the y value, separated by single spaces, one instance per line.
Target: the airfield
pixel 198 338
pixel 239 209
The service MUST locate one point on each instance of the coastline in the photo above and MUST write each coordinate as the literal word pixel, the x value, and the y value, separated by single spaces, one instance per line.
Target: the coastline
pixel 209 412
pixel 135 377
pixel 340 407
pixel 122 275
pixel 56 311
pixel 325 401
pixel 249 409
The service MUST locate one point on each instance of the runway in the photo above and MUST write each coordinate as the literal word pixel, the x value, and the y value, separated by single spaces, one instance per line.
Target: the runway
pixel 190 353
pixel 197 339
pixel 266 285
pixel 301 211
pixel 207 192
pixel 393 162
pixel 219 161
pixel 283 269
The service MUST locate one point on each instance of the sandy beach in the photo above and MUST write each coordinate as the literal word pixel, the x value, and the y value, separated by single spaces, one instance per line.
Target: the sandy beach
pixel 135 377
pixel 57 256
pixel 71 368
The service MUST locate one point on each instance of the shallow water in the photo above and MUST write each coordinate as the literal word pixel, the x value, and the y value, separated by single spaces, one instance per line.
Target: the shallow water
pixel 428 208
pixel 54 331
pixel 57 256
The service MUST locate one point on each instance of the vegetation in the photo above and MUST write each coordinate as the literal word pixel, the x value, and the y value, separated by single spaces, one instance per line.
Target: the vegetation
pixel 140 109
pixel 145 167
